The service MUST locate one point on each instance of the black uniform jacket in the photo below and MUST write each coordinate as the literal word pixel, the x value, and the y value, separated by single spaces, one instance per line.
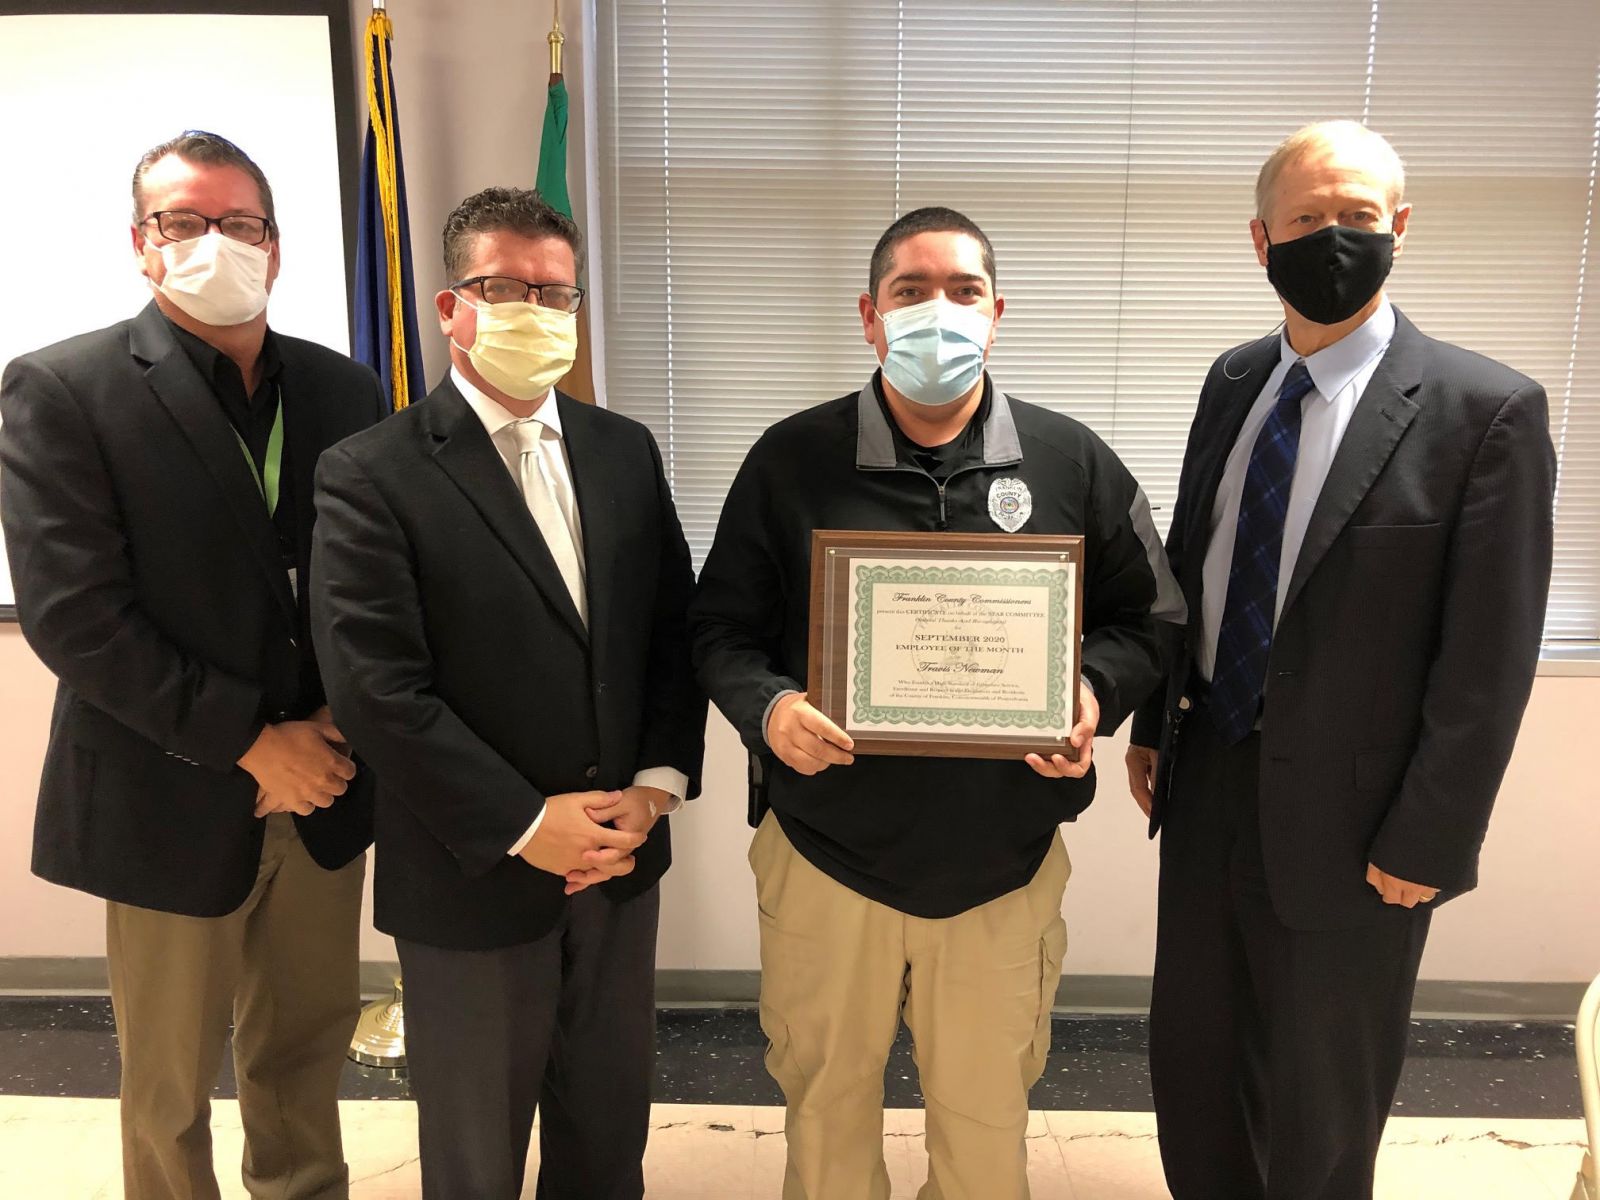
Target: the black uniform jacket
pixel 931 837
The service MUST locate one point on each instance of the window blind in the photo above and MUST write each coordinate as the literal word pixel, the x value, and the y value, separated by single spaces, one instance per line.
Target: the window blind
pixel 750 154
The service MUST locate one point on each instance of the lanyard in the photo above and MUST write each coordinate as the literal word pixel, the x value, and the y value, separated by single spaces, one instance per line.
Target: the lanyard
pixel 268 486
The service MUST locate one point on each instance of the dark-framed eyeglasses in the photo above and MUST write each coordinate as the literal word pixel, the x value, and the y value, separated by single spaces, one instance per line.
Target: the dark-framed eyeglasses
pixel 502 289
pixel 179 225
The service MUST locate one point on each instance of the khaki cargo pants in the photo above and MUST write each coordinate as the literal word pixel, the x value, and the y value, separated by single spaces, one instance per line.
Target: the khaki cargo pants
pixel 838 971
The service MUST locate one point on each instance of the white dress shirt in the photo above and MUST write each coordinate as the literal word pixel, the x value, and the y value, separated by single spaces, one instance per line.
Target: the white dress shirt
pixel 555 468
pixel 1340 374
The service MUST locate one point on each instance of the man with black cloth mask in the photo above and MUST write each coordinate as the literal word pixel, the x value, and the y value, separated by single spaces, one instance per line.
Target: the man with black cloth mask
pixel 1363 535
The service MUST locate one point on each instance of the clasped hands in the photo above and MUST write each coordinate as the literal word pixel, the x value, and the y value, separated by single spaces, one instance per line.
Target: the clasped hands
pixel 590 837
pixel 299 766
pixel 1142 762
pixel 806 740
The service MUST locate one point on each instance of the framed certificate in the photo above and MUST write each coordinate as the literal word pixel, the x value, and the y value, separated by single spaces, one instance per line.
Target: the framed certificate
pixel 953 645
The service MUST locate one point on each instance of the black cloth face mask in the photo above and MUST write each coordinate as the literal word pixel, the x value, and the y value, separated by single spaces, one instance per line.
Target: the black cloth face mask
pixel 1329 275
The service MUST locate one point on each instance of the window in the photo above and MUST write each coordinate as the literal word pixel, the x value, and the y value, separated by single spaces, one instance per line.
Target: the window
pixel 751 153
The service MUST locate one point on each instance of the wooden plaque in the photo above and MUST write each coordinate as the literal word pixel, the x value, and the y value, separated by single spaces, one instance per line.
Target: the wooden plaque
pixel 954 645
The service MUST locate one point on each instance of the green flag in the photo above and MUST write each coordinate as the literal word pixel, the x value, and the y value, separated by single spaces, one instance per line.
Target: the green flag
pixel 552 186
pixel 552 181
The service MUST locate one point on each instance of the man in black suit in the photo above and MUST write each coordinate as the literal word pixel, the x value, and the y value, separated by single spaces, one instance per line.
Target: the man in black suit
pixel 502 586
pixel 1363 532
pixel 155 480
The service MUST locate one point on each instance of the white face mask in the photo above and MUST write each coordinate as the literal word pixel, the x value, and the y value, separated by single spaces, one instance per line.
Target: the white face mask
pixel 215 279
pixel 522 348
pixel 935 349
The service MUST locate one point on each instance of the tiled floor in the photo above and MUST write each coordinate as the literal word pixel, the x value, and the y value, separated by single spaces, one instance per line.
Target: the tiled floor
pixel 66 1149
pixel 1487 1110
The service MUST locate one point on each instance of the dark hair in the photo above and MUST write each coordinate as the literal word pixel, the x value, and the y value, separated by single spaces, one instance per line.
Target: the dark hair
pixel 207 149
pixel 496 209
pixel 924 220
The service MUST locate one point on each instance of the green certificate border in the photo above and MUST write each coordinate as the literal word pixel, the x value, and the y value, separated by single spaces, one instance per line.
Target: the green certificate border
pixel 1051 718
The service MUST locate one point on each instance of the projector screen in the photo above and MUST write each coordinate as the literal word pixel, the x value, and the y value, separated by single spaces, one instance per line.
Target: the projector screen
pixel 90 92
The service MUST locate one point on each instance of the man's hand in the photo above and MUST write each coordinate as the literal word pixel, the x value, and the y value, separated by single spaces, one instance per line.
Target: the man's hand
pixel 1082 737
pixel 805 739
pixel 1399 891
pixel 267 805
pixel 636 810
pixel 570 841
pixel 1142 762
pixel 299 766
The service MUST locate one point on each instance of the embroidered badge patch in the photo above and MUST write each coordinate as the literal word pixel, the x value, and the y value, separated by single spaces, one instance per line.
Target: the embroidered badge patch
pixel 1010 504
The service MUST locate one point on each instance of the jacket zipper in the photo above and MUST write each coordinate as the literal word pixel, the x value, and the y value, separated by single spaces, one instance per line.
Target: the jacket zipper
pixel 942 488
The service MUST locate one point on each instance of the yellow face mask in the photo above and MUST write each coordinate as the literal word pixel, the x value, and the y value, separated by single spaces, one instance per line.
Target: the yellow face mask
pixel 523 348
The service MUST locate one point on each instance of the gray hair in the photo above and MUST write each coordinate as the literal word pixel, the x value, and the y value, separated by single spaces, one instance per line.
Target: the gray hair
pixel 1327 133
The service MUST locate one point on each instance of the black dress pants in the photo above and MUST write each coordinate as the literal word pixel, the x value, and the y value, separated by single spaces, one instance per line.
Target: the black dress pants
pixel 1274 1052
pixel 564 1025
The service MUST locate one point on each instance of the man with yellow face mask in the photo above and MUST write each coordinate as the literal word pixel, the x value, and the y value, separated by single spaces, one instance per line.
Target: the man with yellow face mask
pixel 502 593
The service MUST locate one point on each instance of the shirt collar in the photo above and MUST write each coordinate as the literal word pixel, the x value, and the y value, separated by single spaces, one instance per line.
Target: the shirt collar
pixel 494 415
pixel 875 441
pixel 1335 367
pixel 212 362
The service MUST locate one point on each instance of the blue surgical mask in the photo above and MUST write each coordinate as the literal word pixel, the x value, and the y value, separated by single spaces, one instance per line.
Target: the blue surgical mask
pixel 936 349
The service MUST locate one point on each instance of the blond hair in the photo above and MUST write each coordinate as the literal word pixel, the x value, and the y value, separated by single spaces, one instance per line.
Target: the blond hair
pixel 1330 133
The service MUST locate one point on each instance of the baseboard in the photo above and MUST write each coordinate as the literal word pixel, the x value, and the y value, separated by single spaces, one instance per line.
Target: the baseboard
pixel 1088 994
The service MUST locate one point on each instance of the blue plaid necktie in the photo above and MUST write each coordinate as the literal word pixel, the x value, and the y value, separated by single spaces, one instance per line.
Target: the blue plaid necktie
pixel 1245 638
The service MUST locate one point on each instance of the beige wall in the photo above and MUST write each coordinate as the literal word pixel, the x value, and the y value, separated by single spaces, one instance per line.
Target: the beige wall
pixel 471 79
pixel 1532 920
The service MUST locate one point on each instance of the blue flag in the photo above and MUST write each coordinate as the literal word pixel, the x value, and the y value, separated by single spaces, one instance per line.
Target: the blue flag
pixel 386 313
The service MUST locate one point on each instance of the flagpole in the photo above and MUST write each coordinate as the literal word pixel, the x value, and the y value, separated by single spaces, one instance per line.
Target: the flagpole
pixel 557 40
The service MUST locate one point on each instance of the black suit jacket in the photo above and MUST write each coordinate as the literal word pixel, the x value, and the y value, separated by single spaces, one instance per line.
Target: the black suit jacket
pixel 458 665
pixel 150 580
pixel 1410 632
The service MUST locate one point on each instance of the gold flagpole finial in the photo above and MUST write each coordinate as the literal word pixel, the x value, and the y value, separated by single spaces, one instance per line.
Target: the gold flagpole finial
pixel 556 39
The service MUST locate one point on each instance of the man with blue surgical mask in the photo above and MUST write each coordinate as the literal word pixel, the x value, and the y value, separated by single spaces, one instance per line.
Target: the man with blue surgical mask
pixel 922 888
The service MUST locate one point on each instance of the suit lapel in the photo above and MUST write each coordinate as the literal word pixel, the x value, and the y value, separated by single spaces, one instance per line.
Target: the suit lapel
pixel 1386 410
pixel 464 452
pixel 187 397
pixel 1245 373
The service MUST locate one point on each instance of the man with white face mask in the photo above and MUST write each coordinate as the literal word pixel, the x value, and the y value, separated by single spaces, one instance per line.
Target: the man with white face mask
pixel 156 483
pixel 928 889
pixel 503 586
